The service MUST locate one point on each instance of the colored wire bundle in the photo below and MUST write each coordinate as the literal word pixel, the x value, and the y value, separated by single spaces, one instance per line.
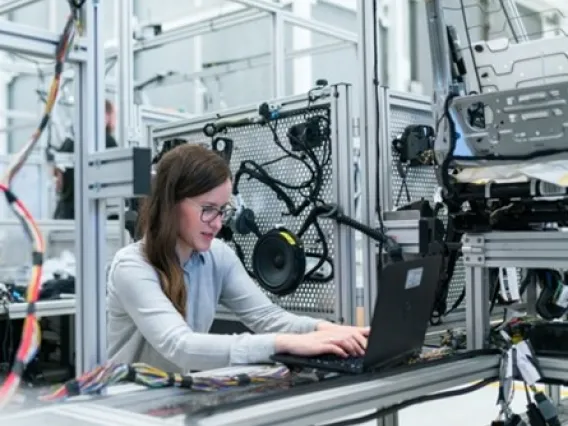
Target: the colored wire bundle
pixel 31 336
pixel 100 378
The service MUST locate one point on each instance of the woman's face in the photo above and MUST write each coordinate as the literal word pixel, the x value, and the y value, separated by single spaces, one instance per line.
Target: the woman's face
pixel 201 217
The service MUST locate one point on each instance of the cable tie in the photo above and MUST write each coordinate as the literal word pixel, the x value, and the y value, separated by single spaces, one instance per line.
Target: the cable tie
pixel 243 379
pixel 18 367
pixel 171 379
pixel 37 258
pixel 186 382
pixel 131 374
pixel 31 308
pixel 72 388
pixel 10 196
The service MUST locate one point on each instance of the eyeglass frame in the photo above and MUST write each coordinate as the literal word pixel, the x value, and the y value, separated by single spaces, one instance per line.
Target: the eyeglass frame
pixel 222 211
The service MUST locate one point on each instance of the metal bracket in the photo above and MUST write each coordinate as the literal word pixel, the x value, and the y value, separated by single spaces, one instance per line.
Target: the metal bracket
pixel 529 64
pixel 473 249
pixel 119 173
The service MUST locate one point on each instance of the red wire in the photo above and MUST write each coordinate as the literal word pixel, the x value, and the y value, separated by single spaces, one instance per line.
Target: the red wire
pixel 33 289
pixel 31 326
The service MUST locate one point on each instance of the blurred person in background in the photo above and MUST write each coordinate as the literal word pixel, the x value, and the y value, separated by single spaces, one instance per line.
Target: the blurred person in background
pixel 65 176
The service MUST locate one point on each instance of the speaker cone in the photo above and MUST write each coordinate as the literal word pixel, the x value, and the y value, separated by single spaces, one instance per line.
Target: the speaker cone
pixel 279 262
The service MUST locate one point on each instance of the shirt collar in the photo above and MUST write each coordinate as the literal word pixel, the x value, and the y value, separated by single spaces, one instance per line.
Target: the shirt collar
pixel 195 257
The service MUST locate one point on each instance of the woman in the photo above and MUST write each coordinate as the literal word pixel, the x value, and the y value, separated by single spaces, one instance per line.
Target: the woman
pixel 163 291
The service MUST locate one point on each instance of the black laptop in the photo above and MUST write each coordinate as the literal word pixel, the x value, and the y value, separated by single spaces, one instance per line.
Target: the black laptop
pixel 400 320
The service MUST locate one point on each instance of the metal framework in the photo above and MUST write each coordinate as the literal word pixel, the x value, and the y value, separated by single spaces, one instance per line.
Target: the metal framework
pixel 495 249
pixel 90 223
pixel 88 57
pixel 480 251
pixel 12 5
pixel 533 250
pixel 333 300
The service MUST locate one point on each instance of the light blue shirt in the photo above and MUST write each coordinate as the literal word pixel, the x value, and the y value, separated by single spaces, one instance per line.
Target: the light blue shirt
pixel 144 326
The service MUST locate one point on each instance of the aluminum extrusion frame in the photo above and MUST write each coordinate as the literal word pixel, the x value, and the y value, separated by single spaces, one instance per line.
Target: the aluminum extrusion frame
pixel 538 249
pixel 345 303
pixel 34 41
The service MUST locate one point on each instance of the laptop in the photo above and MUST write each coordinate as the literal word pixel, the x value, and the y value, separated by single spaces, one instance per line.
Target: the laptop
pixel 402 312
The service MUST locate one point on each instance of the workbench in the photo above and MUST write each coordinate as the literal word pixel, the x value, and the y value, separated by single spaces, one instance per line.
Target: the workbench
pixel 302 405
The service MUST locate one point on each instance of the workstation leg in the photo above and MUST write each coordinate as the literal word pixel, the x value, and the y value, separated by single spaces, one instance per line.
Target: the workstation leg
pixel 477 306
pixel 554 392
pixel 389 420
pixel 477 309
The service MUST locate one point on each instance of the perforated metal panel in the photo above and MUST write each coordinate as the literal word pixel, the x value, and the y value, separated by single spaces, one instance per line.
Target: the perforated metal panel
pixel 256 143
pixel 406 109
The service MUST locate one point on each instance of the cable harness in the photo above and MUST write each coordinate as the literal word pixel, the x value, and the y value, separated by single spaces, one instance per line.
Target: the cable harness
pixel 95 381
pixel 31 336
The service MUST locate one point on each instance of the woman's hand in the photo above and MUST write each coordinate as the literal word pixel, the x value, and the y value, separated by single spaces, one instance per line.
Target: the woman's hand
pixel 360 334
pixel 339 340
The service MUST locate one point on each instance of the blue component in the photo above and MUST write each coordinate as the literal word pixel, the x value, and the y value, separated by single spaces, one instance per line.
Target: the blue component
pixel 462 149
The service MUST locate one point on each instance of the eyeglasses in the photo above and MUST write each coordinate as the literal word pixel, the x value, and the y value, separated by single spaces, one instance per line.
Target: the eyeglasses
pixel 210 213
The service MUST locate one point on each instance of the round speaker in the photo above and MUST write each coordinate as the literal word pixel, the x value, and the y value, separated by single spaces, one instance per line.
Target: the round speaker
pixel 279 261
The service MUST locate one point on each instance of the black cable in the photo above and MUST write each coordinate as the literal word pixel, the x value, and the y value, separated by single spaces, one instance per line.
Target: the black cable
pixel 7 341
pixel 314 184
pixel 323 257
pixel 241 255
pixel 376 84
pixel 495 294
pixel 403 173
pixel 419 400
pixel 310 189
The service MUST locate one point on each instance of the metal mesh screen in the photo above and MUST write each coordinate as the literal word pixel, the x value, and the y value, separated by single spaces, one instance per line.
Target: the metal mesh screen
pixel 421 180
pixel 256 143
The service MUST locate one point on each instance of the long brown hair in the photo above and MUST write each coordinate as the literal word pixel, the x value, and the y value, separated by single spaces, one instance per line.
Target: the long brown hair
pixel 184 172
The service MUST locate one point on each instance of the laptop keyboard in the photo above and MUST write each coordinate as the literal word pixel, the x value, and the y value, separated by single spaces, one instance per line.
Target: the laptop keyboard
pixel 324 362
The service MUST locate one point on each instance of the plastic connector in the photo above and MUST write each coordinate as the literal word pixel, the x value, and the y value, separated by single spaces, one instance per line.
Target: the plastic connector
pixel 535 416
pixel 515 420
pixel 547 409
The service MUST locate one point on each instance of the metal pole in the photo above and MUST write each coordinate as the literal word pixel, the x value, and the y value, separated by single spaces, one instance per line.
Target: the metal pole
pixel 278 55
pixel 125 71
pixel 246 63
pixel 517 26
pixel 193 28
pixel 441 66
pixel 368 130
pixel 126 121
pixel 90 221
pixel 12 6
pixel 399 69
pixel 301 40
pixel 199 89
pixel 370 72
pixel 343 183
pixel 310 24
